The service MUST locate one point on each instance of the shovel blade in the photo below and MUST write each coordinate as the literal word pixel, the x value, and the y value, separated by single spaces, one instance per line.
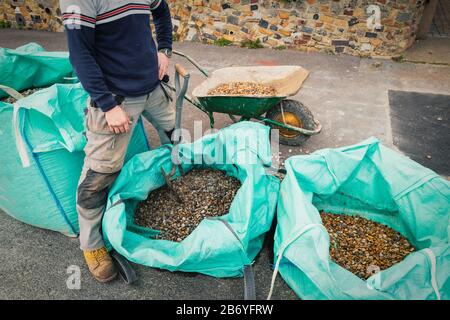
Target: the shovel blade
pixel 173 193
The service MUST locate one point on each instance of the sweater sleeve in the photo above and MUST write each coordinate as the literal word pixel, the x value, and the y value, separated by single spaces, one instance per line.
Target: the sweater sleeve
pixel 79 19
pixel 163 24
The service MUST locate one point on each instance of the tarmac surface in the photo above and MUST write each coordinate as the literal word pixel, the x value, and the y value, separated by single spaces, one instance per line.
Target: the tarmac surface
pixel 348 95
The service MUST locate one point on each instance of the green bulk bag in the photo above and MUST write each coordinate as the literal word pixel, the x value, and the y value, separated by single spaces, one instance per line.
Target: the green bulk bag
pixel 30 66
pixel 379 184
pixel 41 142
pixel 221 247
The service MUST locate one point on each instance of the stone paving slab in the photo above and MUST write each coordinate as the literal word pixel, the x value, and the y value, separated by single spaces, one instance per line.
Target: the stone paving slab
pixel 420 122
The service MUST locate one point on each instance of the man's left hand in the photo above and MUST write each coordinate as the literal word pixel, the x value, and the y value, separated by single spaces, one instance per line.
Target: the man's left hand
pixel 163 65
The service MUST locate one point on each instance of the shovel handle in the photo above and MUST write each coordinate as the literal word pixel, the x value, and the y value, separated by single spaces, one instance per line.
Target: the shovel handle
pixel 181 70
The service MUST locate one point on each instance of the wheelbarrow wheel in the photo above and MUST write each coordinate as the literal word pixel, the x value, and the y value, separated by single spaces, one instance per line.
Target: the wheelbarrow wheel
pixel 293 113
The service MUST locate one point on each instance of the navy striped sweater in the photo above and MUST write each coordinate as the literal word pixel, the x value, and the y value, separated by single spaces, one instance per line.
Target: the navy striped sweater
pixel 111 46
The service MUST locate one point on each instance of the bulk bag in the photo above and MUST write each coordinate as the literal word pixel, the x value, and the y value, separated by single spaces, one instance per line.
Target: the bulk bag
pixel 376 183
pixel 30 66
pixel 41 142
pixel 219 247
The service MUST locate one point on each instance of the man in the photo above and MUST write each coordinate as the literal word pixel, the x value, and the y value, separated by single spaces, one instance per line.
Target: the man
pixel 118 63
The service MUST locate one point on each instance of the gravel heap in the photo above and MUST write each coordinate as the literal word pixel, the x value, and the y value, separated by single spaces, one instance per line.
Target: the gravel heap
pixel 358 244
pixel 205 193
pixel 25 93
pixel 243 89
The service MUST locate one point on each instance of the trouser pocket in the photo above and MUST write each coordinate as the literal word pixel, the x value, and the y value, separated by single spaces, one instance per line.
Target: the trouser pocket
pixel 96 121
pixel 159 110
pixel 105 149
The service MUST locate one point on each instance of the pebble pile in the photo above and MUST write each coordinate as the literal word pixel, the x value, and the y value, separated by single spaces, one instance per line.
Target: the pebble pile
pixel 362 246
pixel 25 93
pixel 243 89
pixel 205 193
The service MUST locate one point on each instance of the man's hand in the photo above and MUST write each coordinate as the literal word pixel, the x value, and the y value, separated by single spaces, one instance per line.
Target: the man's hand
pixel 163 65
pixel 118 120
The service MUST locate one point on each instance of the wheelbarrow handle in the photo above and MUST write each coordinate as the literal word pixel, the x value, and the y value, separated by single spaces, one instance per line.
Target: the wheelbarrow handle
pixel 191 60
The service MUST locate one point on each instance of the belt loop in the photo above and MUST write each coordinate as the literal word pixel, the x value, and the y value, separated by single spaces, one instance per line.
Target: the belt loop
pixel 148 96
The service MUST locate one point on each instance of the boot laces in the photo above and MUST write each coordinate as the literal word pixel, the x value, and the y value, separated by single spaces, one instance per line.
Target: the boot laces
pixel 100 254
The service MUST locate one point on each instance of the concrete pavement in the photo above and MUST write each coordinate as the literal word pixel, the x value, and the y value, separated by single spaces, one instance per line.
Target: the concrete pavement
pixel 432 50
pixel 348 95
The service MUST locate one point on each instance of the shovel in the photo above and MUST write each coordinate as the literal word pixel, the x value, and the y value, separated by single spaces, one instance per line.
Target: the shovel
pixel 180 92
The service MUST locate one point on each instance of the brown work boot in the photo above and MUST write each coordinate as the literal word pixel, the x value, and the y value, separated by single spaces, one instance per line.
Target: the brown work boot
pixel 100 264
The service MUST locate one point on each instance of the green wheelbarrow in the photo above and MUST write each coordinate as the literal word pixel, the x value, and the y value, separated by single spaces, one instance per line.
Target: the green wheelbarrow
pixel 294 121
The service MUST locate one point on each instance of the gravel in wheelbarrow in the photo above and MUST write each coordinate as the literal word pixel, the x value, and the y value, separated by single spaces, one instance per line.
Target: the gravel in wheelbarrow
pixel 362 246
pixel 205 193
pixel 243 89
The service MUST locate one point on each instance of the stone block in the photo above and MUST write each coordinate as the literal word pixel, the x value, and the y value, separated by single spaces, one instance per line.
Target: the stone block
pixel 340 43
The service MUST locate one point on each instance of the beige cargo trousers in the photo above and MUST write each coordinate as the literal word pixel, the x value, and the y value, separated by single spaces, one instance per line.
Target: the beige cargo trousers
pixel 105 154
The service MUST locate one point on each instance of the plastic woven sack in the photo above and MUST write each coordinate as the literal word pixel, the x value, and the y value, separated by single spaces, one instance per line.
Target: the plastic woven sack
pixel 30 66
pixel 377 183
pixel 219 247
pixel 41 142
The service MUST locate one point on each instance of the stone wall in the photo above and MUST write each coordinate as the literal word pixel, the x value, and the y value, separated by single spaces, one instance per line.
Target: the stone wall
pixel 308 25
pixel 337 26
pixel 31 14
